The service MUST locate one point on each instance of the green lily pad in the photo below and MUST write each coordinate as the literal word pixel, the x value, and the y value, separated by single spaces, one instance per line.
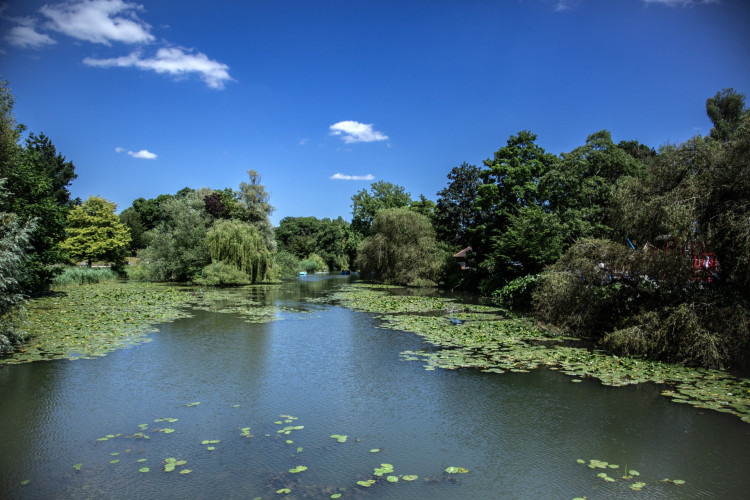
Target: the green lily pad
pixel 374 450
pixel 189 405
pixel 283 491
pixel 581 461
pixel 678 481
pixel 144 469
pixel 299 449
pixel 341 438
pixel 336 495
pixel 456 470
pixel 114 461
pixel 78 466
pixel 141 460
pixel 211 448
pixel 637 486
pixel 392 479
pixel 25 482
pixel 410 477
pixel 298 469
pixel 289 441
pixel 185 471
pixel 367 483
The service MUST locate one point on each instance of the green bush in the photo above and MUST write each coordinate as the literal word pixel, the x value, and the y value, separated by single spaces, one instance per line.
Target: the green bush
pixel 222 274
pixel 312 263
pixel 286 265
pixel 517 294
pixel 84 275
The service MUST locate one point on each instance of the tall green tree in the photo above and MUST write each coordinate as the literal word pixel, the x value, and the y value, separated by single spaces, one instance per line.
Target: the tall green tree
pixel 15 237
pixel 366 204
pixel 256 207
pixel 725 109
pixel 95 233
pixel 177 248
pixel 456 215
pixel 402 249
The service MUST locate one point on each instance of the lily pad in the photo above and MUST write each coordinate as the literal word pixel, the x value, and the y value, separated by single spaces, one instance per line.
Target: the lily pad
pixel 341 438
pixel 185 471
pixel 410 477
pixel 78 466
pixel 144 469
pixel 456 470
pixel 298 469
pixel 392 479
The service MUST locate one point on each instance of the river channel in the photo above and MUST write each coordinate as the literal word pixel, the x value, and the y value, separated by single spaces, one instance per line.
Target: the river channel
pixel 234 409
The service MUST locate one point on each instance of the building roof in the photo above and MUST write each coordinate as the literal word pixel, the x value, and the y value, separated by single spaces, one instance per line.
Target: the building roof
pixel 463 253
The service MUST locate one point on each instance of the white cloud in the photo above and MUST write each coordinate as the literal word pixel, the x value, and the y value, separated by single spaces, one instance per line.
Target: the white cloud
pixel 173 61
pixel 304 141
pixel 352 132
pixel 565 4
pixel 25 35
pixel 344 177
pixel 682 3
pixel 119 149
pixel 143 154
pixel 98 21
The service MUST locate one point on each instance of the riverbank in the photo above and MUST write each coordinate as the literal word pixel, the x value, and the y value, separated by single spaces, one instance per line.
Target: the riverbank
pixel 486 338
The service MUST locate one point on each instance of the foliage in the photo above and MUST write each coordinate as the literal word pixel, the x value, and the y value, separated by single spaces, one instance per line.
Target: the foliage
pixel 96 233
pixel 517 295
pixel 423 206
pixel 177 249
pixel 37 180
pixel 256 209
pixel 287 265
pixel 402 249
pixel 15 237
pixel 366 204
pixel 241 245
pixel 456 215
pixel 302 236
pixel 726 110
pixel 312 263
pixel 83 276
pixel 222 273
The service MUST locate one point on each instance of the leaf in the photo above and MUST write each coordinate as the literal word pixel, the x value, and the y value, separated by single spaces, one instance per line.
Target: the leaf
pixel 25 482
pixel 410 477
pixel 144 469
pixel 392 479
pixel 456 470
pixel 77 466
pixel 283 491
pixel 185 471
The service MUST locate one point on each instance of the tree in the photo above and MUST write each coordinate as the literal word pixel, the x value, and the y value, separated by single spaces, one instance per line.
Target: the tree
pixel 96 233
pixel 401 250
pixel 256 208
pixel 456 216
pixel 298 235
pixel 240 244
pixel 423 206
pixel 725 110
pixel 15 237
pixel 177 249
pixel 366 204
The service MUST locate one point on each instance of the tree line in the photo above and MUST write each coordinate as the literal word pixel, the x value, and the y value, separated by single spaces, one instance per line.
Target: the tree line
pixel 606 241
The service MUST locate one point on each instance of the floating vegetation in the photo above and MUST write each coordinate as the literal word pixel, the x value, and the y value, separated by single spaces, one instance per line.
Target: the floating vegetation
pixel 190 405
pixel 410 477
pixel 493 343
pixel 87 321
pixel 78 466
pixel 170 420
pixel 298 469
pixel 245 432
pixel 456 470
pixel 340 438
pixel 629 474
pixel 144 469
pixel 367 483
pixel 283 491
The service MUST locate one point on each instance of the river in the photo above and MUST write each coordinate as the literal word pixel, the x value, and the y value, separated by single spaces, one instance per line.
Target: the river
pixel 321 370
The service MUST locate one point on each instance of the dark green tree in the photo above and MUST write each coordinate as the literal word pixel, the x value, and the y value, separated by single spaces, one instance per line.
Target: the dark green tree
pixel 423 206
pixel 456 216
pixel 725 110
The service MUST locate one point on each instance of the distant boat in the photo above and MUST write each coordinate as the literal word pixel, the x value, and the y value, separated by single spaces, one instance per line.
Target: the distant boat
pixel 346 272
pixel 303 273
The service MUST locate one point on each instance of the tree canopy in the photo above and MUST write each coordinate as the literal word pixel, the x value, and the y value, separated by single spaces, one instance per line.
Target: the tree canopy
pixel 366 204
pixel 96 233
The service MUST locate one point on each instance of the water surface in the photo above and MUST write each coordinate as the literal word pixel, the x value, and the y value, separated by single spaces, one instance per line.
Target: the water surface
pixel 519 434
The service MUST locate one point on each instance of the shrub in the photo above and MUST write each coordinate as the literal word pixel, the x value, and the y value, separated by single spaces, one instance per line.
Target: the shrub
pixel 286 265
pixel 84 275
pixel 518 293
pixel 222 274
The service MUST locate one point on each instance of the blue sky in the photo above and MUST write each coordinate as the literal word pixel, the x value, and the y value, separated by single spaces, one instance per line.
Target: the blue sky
pixel 322 98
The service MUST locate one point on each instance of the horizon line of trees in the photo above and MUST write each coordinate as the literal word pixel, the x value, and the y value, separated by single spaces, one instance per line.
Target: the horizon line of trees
pixel 551 235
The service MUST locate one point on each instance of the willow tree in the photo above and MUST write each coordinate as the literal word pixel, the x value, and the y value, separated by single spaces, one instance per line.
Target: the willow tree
pixel 401 250
pixel 241 245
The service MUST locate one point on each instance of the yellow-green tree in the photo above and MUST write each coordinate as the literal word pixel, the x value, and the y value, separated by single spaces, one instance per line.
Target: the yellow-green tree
pixel 95 232
pixel 241 245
